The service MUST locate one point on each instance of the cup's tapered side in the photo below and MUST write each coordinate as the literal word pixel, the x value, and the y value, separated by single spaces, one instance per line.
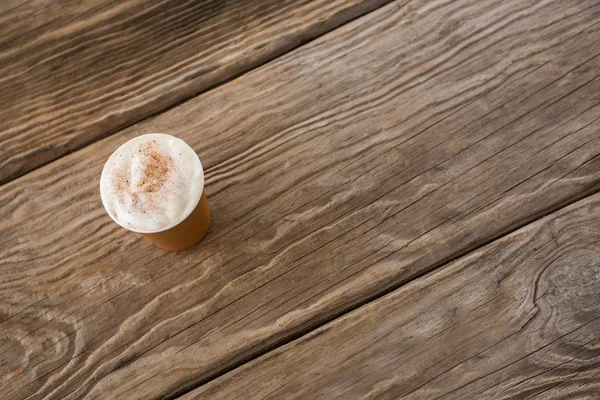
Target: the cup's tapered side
pixel 188 232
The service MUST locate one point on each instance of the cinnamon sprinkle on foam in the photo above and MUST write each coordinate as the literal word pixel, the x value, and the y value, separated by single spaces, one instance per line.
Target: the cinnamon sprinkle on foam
pixel 159 183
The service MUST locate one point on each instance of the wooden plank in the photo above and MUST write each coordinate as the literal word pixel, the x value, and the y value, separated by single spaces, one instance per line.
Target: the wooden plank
pixel 335 174
pixel 75 71
pixel 519 318
pixel 20 18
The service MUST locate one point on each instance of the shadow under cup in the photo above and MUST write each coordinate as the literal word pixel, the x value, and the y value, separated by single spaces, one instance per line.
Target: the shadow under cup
pixel 188 232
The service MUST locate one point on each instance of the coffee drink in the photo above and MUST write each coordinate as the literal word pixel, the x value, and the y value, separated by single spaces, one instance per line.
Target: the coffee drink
pixel 154 185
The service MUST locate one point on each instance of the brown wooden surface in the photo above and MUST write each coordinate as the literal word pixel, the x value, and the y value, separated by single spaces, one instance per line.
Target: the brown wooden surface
pixel 72 72
pixel 517 319
pixel 335 174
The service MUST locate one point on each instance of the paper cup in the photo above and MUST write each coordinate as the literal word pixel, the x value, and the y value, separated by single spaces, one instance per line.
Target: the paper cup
pixel 178 235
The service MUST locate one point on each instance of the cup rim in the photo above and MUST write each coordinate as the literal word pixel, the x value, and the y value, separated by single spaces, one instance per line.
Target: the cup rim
pixel 184 217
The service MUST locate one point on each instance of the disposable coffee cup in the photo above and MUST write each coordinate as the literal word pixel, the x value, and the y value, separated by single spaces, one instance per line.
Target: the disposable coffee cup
pixel 154 185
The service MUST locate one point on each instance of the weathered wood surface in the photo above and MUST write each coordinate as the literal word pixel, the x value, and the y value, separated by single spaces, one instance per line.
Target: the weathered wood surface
pixel 334 173
pixel 519 318
pixel 72 72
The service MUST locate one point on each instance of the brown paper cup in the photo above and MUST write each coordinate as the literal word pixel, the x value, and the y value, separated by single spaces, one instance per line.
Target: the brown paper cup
pixel 188 232
pixel 178 235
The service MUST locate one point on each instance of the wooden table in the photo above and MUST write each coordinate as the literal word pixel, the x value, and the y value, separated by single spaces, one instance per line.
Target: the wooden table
pixel 404 195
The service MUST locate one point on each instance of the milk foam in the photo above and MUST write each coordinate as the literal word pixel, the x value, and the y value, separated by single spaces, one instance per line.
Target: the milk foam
pixel 151 183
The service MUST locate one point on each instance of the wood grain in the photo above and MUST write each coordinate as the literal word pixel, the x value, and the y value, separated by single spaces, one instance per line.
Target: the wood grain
pixel 519 318
pixel 75 71
pixel 335 174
